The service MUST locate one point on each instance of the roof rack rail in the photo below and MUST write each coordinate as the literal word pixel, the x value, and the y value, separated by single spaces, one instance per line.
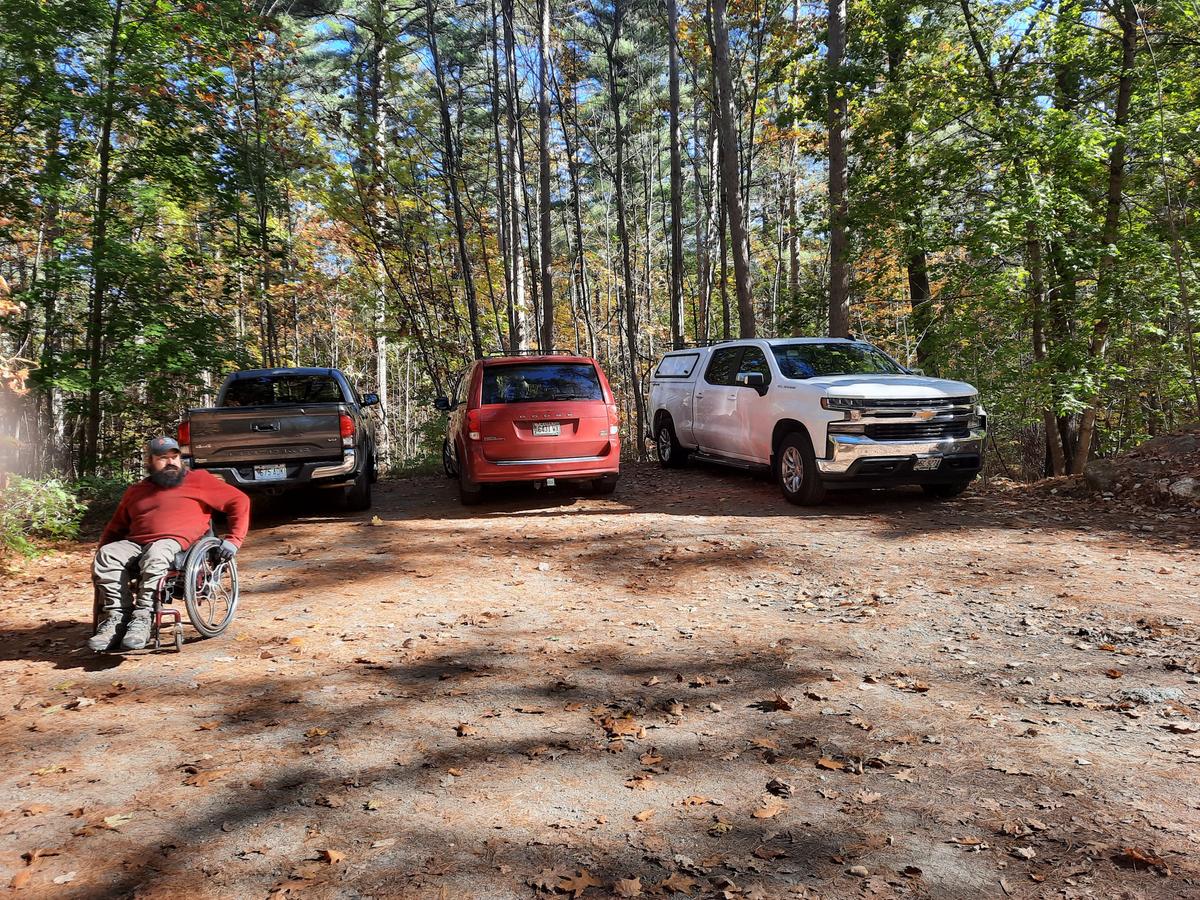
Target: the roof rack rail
pixel 496 353
pixel 693 345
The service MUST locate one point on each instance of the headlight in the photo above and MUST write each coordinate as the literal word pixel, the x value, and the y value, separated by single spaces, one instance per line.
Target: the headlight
pixel 843 403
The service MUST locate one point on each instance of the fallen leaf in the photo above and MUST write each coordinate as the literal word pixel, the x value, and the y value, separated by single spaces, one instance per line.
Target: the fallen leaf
pixel 768 853
pixel 769 810
pixel 331 802
pixel 1133 858
pixel 32 856
pixel 316 732
pixel 693 800
pixel 650 757
pixel 20 879
pixel 826 763
pixel 463 729
pixel 628 887
pixel 1183 727
pixel 719 827
pixel 867 797
pixel 208 726
pixel 332 857
pixel 645 815
pixel 1113 673
pixel 457 773
pixel 117 820
pixel 66 878
pixel 34 809
pixel 375 520
pixel 372 805
pixel 205 776
pixel 578 883
pixel 905 775
pixel 386 842
pixel 780 788
pixel 676 883
pixel 1024 852
pixel 778 704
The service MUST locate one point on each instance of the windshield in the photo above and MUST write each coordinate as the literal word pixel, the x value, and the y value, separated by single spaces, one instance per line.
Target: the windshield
pixel 278 390
pixel 539 382
pixel 811 360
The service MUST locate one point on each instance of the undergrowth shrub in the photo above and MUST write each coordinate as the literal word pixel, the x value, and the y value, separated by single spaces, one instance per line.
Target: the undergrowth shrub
pixel 37 508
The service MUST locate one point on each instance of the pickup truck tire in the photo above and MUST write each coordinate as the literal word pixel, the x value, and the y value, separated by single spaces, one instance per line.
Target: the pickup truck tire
pixel 945 491
pixel 448 460
pixel 671 454
pixel 358 495
pixel 796 470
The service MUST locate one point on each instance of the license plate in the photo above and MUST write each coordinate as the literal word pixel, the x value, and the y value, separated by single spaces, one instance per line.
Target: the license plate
pixel 546 429
pixel 927 464
pixel 270 473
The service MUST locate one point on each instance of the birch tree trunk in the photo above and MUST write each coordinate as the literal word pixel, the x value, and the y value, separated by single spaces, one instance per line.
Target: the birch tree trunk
pixel 544 256
pixel 676 179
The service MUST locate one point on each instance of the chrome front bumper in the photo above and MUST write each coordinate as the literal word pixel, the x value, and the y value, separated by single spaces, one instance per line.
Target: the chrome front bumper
pixel 844 450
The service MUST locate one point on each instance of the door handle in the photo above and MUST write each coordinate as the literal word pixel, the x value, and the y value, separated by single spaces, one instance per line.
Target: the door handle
pixel 699 394
pixel 264 426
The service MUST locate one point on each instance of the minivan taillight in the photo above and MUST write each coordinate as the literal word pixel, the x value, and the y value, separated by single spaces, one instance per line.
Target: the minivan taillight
pixel 347 428
pixel 613 419
pixel 473 424
pixel 184 437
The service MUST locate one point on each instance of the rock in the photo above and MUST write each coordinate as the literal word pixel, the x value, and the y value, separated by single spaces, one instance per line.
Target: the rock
pixel 1100 474
pixel 1150 695
pixel 1024 852
pixel 860 871
pixel 1186 488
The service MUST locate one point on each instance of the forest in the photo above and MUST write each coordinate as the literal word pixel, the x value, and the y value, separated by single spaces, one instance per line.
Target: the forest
pixel 999 191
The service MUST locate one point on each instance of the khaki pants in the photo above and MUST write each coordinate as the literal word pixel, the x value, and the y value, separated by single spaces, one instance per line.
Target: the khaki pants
pixel 118 562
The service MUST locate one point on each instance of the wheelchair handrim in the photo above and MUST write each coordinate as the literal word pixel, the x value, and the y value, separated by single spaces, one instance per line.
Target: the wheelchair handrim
pixel 211 593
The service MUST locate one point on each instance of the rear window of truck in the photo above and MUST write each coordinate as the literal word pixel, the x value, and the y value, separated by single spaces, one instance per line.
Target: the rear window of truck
pixel 680 365
pixel 539 382
pixel 279 390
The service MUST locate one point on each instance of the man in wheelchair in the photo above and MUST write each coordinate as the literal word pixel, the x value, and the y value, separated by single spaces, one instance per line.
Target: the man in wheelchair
pixel 157 518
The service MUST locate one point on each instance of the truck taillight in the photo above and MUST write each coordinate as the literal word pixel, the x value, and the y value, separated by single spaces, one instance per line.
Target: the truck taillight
pixel 184 437
pixel 473 424
pixel 347 428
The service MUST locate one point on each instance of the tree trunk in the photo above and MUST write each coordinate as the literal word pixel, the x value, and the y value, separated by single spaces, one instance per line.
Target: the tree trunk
pixel 729 172
pixel 504 231
pixel 1106 282
pixel 544 256
pixel 676 179
pixel 450 164
pixel 839 270
pixel 628 298
pixel 90 453
pixel 517 326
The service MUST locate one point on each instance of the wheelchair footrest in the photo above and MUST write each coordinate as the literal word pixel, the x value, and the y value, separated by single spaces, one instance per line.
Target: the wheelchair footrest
pixel 164 615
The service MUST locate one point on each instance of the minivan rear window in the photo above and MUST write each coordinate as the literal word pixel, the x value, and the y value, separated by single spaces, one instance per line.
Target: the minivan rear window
pixel 539 382
pixel 277 390
pixel 678 366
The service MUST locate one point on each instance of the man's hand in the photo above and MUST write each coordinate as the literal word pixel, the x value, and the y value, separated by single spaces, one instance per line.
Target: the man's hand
pixel 227 551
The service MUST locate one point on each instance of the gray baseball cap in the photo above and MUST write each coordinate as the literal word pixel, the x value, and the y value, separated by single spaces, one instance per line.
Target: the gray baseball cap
pixel 162 445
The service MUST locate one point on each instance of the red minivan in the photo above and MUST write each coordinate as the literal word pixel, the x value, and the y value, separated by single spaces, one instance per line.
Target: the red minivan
pixel 538 418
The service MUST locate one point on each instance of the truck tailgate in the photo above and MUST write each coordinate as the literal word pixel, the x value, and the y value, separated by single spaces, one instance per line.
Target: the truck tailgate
pixel 260 434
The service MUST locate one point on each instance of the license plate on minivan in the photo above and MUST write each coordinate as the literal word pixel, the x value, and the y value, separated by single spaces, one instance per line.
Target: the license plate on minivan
pixel 546 429
pixel 927 463
pixel 270 473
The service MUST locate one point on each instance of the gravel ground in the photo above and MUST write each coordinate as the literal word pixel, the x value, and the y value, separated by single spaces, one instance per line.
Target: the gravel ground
pixel 689 689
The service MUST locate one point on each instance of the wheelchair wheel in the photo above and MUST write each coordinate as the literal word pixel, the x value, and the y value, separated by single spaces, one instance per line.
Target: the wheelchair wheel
pixel 210 588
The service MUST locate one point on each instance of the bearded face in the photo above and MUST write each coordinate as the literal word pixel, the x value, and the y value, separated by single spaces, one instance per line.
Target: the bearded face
pixel 167 471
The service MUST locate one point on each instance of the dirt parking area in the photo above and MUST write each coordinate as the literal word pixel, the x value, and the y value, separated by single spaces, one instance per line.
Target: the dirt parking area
pixel 690 689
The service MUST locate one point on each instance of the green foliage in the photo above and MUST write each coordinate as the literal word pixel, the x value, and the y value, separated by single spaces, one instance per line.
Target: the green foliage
pixel 37 508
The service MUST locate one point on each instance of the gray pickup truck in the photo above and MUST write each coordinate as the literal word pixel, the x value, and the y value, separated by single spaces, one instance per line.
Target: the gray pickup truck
pixel 275 430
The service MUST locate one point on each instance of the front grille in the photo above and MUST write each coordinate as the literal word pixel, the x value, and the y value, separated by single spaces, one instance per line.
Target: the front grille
pixel 930 403
pixel 917 431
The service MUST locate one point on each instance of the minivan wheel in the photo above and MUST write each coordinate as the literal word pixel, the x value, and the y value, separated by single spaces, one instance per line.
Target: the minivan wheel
pixel 671 454
pixel 796 471
pixel 448 459
pixel 604 486
pixel 469 494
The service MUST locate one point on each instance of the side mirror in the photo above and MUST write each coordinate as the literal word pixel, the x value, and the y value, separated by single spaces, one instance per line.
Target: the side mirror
pixel 442 403
pixel 752 380
pixel 916 371
pixel 370 400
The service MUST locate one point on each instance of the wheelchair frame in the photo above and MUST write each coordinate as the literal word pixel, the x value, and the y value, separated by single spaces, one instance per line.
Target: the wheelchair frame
pixel 193 577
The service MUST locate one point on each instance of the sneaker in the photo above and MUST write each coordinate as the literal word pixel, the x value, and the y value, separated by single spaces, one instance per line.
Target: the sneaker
pixel 108 636
pixel 137 633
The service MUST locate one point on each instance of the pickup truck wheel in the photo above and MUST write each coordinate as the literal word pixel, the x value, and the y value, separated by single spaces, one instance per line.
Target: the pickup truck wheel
pixel 945 491
pixel 448 460
pixel 796 470
pixel 358 495
pixel 671 454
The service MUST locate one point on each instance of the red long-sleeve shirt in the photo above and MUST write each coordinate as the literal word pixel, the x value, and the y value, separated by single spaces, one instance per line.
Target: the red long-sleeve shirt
pixel 149 513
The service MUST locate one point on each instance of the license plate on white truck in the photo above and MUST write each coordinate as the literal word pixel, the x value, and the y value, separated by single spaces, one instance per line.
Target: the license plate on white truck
pixel 270 473
pixel 927 463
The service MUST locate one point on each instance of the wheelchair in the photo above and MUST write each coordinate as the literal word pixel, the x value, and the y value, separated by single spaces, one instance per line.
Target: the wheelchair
pixel 207 585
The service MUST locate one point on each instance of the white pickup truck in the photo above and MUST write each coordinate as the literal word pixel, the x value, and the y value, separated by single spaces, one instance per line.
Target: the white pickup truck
pixel 820 412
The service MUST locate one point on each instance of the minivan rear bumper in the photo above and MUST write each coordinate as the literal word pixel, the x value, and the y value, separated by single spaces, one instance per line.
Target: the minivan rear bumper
pixel 486 471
